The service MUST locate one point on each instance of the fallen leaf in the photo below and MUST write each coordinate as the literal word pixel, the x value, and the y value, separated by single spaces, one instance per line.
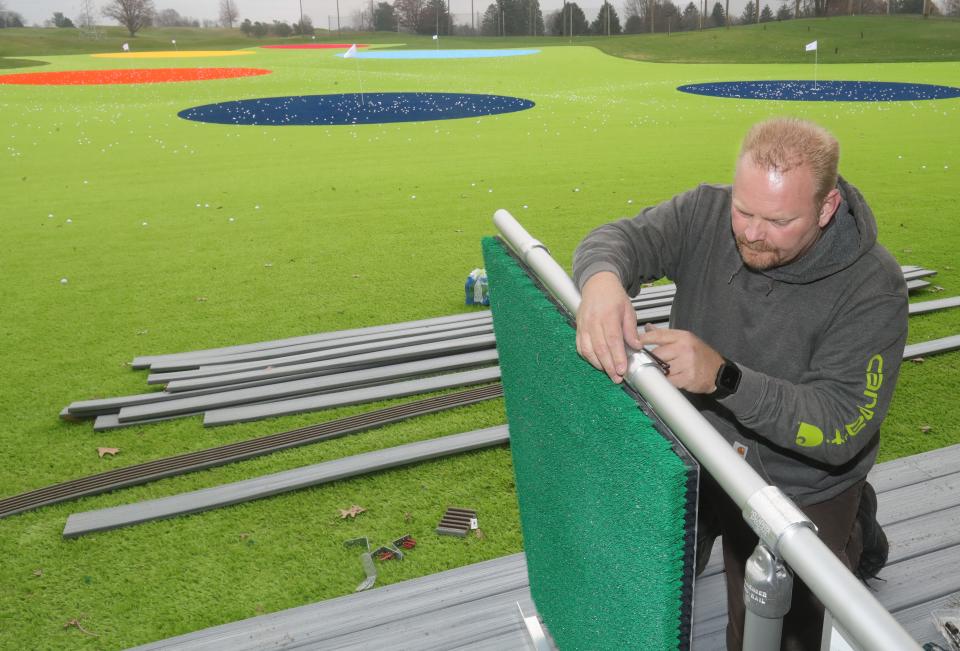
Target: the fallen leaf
pixel 76 624
pixel 111 451
pixel 407 516
pixel 352 512
pixel 917 360
pixel 479 534
pixel 201 299
pixel 38 571
pixel 244 535
pixel 925 428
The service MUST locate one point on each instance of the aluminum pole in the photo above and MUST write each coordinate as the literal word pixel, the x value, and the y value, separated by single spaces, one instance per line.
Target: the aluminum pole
pixel 775 519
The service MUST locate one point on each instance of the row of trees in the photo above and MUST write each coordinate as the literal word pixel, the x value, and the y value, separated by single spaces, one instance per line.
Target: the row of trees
pixel 524 17
pixel 501 18
pixel 137 14
pixel 277 28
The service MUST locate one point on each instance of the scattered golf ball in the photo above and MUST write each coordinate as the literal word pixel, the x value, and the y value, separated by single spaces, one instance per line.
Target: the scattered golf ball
pixel 576 189
pixel 231 219
pixel 63 281
pixel 629 200
pixel 524 205
pixel 144 224
pixel 413 196
pixel 69 221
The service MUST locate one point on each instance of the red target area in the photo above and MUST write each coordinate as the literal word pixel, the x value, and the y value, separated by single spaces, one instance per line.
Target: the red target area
pixel 313 46
pixel 132 76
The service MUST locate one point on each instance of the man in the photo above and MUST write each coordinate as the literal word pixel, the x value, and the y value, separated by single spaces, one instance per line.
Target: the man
pixel 786 332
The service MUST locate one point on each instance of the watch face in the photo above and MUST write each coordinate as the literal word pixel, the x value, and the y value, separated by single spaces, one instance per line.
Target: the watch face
pixel 729 377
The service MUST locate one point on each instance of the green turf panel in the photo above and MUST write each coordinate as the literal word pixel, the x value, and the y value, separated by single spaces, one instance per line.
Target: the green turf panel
pixel 605 498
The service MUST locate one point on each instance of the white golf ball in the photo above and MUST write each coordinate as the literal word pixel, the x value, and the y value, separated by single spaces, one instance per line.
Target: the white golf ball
pixel 63 281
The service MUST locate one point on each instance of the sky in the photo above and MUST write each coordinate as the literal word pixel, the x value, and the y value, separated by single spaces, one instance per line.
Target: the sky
pixel 37 11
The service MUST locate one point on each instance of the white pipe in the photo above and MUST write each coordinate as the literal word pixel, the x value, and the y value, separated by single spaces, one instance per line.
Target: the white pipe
pixel 767 511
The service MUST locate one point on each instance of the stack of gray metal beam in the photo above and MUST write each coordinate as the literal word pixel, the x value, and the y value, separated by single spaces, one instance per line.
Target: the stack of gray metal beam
pixel 334 369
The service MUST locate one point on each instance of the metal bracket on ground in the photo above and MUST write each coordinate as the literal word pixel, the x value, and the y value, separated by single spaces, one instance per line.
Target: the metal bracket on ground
pixel 536 636
pixel 366 560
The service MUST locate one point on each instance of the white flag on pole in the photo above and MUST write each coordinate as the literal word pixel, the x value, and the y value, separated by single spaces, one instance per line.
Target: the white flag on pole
pixel 435 37
pixel 352 52
pixel 812 46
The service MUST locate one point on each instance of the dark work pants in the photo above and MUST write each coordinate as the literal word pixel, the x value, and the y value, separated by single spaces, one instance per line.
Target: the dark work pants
pixel 838 529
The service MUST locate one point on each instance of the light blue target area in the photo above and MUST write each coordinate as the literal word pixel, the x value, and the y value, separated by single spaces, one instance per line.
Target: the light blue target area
pixel 440 54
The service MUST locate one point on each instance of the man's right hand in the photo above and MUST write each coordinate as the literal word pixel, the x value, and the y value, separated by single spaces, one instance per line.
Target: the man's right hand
pixel 606 322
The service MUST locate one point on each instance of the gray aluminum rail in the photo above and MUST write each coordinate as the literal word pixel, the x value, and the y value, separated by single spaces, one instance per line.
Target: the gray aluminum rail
pixel 180 464
pixel 320 350
pixel 422 325
pixel 244 413
pixel 942 345
pixel 281 390
pixel 378 359
pixel 79 524
pixel 765 508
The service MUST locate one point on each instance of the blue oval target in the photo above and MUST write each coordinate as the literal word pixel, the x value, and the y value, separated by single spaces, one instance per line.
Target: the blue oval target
pixel 823 91
pixel 354 108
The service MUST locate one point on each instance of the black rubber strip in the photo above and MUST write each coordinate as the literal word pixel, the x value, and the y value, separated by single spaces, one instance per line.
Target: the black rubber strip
pixel 184 463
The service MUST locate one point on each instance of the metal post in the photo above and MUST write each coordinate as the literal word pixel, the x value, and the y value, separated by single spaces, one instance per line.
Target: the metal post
pixel 767 592
pixel 777 521
pixel 338 17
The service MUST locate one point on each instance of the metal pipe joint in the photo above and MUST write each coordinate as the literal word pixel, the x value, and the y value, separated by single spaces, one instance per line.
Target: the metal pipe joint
pixel 773 517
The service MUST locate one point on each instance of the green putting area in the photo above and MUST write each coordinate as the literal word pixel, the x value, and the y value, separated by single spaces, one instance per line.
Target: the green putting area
pixel 128 231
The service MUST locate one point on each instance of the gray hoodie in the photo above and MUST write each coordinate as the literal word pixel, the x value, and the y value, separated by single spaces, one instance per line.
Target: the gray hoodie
pixel 819 340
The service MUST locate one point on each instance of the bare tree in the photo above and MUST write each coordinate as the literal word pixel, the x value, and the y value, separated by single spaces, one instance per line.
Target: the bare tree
pixel 86 18
pixel 228 13
pixel 132 14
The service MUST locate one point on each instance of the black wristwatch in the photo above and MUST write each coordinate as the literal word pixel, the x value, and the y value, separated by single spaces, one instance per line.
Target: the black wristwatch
pixel 728 380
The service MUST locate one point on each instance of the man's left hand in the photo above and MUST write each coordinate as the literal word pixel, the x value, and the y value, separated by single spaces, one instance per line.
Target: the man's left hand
pixel 693 364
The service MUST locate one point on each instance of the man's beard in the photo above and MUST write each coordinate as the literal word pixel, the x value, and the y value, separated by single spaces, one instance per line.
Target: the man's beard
pixel 757 256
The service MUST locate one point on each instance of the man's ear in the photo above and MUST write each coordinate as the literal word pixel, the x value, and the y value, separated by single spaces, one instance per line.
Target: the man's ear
pixel 828 207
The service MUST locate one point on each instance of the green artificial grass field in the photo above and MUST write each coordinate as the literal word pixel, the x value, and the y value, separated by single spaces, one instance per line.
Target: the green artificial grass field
pixel 308 229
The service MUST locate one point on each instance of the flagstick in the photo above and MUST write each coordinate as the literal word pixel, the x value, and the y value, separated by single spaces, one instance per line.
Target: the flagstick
pixel 359 82
pixel 815 56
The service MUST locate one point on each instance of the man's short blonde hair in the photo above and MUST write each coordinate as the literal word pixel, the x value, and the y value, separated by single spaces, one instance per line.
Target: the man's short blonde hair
pixel 783 144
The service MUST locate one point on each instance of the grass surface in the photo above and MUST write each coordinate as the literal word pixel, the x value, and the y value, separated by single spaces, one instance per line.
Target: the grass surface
pixel 340 227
